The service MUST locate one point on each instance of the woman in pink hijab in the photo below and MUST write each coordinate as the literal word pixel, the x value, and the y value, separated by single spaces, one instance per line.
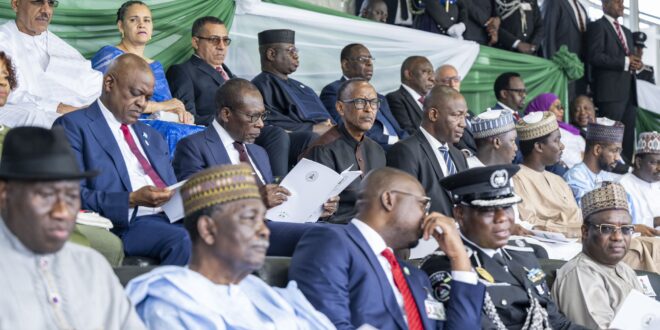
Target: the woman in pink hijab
pixel 570 135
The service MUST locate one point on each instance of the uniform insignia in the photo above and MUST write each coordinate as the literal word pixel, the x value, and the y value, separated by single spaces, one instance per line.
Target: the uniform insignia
pixel 520 242
pixel 485 274
pixel 441 284
pixel 535 275
pixel 499 179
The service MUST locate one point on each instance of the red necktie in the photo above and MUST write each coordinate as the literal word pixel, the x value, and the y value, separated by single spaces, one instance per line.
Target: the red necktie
pixel 421 99
pixel 222 73
pixel 143 161
pixel 243 157
pixel 412 313
pixel 620 34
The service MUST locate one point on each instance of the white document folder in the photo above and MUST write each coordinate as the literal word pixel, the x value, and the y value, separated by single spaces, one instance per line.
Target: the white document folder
pixel 638 312
pixel 311 184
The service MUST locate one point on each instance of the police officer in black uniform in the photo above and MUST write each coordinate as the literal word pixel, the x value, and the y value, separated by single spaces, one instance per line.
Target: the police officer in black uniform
pixel 646 73
pixel 517 296
pixel 446 17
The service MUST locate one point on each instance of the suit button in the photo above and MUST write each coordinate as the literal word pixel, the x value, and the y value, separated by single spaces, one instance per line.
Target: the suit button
pixel 504 302
pixel 451 18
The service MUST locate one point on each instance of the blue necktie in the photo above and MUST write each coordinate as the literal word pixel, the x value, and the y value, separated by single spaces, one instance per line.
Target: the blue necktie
pixel 451 168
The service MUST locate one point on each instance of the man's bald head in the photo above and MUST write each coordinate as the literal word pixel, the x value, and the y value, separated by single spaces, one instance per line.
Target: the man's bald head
pixel 447 75
pixel 444 114
pixel 127 87
pixel 383 179
pixel 439 96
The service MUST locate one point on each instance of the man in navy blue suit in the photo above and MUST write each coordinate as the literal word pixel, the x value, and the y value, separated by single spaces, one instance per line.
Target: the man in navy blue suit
pixel 229 139
pixel 356 62
pixel 350 273
pixel 133 162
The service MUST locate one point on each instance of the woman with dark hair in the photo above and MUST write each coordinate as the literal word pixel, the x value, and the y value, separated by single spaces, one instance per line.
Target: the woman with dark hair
pixel 135 25
pixel 7 78
pixel 570 135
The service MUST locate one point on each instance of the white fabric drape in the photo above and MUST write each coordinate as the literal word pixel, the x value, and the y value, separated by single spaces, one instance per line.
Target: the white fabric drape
pixel 320 38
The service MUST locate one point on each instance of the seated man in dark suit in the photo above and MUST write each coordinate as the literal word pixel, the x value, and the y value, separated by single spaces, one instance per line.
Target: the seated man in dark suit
pixel 429 154
pixel 346 145
pixel 133 161
pixel 291 104
pixel 518 296
pixel 356 62
pixel 407 102
pixel 229 140
pixel 350 273
pixel 195 81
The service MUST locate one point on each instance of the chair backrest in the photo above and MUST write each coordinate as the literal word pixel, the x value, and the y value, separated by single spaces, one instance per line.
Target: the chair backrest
pixel 275 271
pixel 654 279
pixel 550 267
pixel 127 273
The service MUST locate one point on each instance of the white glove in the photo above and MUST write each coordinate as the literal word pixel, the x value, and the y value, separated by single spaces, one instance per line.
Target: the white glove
pixel 456 31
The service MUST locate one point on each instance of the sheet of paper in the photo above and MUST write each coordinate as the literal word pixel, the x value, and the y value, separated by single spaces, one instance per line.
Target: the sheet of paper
pixel 551 237
pixel 174 207
pixel 310 184
pixel 347 177
pixel 637 312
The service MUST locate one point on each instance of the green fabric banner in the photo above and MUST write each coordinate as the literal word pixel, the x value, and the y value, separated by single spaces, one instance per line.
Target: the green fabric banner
pixel 89 25
pixel 647 121
pixel 539 75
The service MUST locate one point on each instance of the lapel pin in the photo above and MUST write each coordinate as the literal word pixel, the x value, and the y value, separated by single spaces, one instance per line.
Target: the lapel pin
pixel 144 134
pixel 406 271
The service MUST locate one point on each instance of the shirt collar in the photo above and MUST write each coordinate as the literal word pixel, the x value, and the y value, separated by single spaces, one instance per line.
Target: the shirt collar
pixel 642 183
pixel 109 117
pixel 411 91
pixel 610 18
pixel 373 238
pixel 488 252
pixel 226 139
pixel 505 107
pixel 435 144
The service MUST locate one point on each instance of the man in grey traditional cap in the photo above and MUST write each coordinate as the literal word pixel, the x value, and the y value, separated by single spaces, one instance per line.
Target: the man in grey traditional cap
pixel 591 287
pixel 495 136
pixel 48 282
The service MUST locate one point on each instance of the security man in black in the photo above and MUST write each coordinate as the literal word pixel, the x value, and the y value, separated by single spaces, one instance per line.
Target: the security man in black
pixel 517 296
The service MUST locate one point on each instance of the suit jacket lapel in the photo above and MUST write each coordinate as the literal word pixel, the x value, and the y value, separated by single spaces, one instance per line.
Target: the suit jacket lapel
pixel 207 69
pixel 385 288
pixel 412 103
pixel 612 30
pixel 145 141
pixel 430 154
pixel 419 293
pixel 101 131
pixel 257 163
pixel 216 146
pixel 458 158
pixel 569 9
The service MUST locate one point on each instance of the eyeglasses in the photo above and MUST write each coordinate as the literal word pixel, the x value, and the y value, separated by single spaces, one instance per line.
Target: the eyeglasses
pixel 517 90
pixel 423 199
pixel 607 229
pixel 39 3
pixel 361 104
pixel 252 118
pixel 215 41
pixel 455 79
pixel 362 59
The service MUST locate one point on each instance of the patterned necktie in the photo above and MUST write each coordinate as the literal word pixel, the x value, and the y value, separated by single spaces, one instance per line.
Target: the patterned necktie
pixel 222 72
pixel 403 4
pixel 243 158
pixel 409 305
pixel 579 14
pixel 621 39
pixel 146 167
pixel 451 168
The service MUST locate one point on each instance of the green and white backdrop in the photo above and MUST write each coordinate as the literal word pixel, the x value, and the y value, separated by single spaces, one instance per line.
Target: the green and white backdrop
pixel 321 33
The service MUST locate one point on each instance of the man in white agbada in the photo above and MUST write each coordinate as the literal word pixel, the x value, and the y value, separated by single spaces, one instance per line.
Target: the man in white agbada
pixel 224 215
pixel 53 77
pixel 47 282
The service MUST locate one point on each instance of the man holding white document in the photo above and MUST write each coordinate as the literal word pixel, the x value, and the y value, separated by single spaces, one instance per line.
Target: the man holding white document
pixel 346 145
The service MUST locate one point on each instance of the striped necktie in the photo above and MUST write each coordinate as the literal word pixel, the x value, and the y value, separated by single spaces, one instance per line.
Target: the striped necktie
pixel 451 168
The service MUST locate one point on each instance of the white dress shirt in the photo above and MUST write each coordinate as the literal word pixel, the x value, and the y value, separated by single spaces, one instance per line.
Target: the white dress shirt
pixel 400 21
pixel 645 197
pixel 611 19
pixel 414 95
pixel 136 174
pixel 234 156
pixel 378 245
pixel 435 145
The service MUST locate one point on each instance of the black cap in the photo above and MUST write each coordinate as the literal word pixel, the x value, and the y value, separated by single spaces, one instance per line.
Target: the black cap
pixel 479 187
pixel 639 38
pixel 39 154
pixel 277 36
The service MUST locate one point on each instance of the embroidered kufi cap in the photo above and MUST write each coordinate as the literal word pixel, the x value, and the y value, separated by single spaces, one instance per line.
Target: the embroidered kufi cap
pixel 648 143
pixel 492 123
pixel 219 185
pixel 605 130
pixel 536 125
pixel 609 196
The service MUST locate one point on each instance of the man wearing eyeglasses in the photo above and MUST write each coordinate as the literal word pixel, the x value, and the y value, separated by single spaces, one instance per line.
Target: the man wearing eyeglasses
pixel 517 295
pixel 53 77
pixel 447 75
pixel 347 144
pixel 196 81
pixel 230 140
pixel 591 287
pixel 357 62
pixel 350 273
